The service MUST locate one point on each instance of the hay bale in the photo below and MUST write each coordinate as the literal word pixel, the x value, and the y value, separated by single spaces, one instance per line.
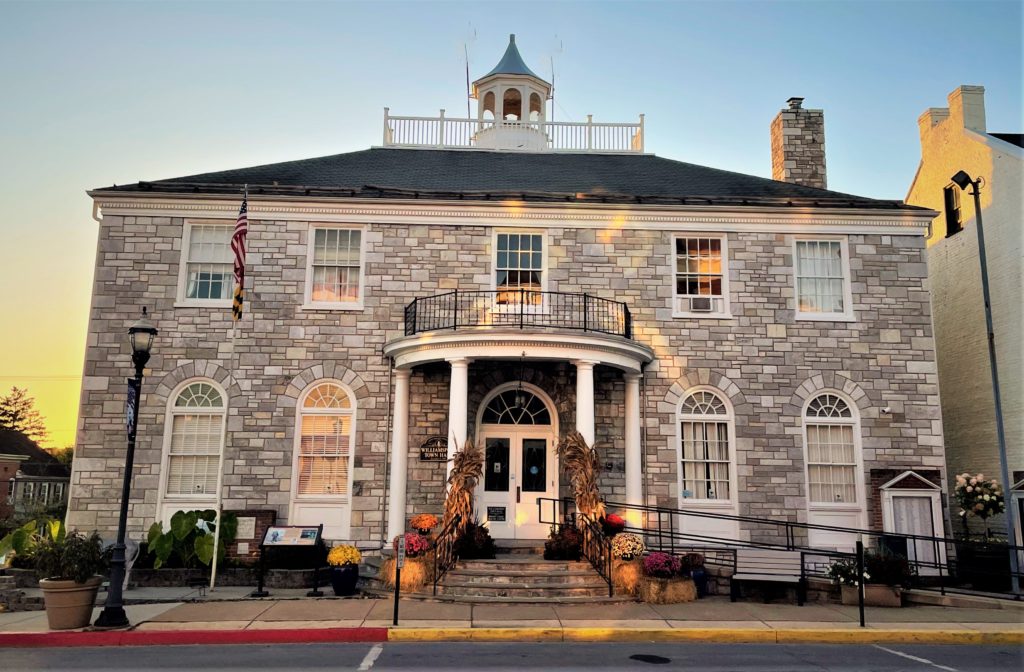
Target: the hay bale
pixel 626 575
pixel 414 573
pixel 667 591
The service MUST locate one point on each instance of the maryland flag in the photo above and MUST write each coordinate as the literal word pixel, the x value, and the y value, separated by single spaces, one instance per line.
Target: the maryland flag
pixel 238 247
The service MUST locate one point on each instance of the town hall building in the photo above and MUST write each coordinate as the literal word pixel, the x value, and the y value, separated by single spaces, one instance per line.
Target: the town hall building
pixel 727 343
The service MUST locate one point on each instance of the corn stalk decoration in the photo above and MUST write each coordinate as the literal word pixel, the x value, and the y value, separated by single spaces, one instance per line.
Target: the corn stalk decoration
pixel 580 462
pixel 467 468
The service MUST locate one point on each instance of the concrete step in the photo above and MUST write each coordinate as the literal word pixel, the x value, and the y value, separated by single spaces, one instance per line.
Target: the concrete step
pixel 481 577
pixel 520 590
pixel 511 563
pixel 496 599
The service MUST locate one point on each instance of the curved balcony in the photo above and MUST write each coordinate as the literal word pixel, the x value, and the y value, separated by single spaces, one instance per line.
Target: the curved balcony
pixel 518 309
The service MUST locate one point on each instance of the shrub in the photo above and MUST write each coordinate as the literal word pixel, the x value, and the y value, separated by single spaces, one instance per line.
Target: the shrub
pixel 661 565
pixel 415 544
pixel 690 562
pixel 612 525
pixel 343 555
pixel 888 569
pixel 21 543
pixel 627 544
pixel 189 542
pixel 74 557
pixel 475 543
pixel 564 543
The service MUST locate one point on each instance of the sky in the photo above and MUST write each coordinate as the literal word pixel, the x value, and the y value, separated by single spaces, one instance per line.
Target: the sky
pixel 93 94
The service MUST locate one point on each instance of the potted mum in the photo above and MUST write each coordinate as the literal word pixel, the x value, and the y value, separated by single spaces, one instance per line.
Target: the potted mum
pixel 613 525
pixel 627 546
pixel 70 564
pixel 885 576
pixel 344 562
pixel 423 523
pixel 626 551
pixel 661 584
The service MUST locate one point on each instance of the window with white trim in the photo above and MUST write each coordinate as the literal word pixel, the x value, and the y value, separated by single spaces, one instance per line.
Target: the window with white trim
pixel 335 274
pixel 196 427
pixel 822 279
pixel 701 277
pixel 519 265
pixel 325 442
pixel 704 447
pixel 209 264
pixel 830 426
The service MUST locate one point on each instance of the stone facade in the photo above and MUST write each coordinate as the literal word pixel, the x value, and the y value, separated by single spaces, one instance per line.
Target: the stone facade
pixel 763 360
pixel 798 146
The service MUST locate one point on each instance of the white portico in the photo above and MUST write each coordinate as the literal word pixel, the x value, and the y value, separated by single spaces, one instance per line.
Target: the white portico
pixel 519 437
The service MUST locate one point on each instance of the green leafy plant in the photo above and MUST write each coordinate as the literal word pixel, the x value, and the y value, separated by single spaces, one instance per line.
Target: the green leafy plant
pixel 71 557
pixel 189 541
pixel 24 541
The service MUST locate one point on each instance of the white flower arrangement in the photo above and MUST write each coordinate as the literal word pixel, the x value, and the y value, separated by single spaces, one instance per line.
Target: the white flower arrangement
pixel 978 497
pixel 627 545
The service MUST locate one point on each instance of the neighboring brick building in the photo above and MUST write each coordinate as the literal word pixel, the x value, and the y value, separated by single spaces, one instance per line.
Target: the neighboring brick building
pixel 700 327
pixel 955 138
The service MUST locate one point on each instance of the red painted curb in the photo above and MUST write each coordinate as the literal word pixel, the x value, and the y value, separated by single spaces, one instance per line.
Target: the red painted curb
pixel 184 637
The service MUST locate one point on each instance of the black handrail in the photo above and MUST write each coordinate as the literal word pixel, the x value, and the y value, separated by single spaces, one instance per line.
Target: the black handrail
pixel 518 308
pixel 595 546
pixel 445 556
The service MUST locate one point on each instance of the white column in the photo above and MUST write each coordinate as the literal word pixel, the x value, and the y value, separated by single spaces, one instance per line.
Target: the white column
pixel 585 400
pixel 634 479
pixel 458 408
pixel 399 455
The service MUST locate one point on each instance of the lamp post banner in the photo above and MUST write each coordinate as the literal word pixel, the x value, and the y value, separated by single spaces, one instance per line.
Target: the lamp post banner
pixel 131 400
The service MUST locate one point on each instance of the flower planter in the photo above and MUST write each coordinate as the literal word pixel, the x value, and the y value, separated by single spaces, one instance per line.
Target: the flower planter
pixel 666 591
pixel 69 604
pixel 875 595
pixel 344 579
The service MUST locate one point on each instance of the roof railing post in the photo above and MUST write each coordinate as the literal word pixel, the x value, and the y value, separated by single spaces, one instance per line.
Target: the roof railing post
pixel 640 134
pixel 590 132
pixel 440 130
pixel 387 127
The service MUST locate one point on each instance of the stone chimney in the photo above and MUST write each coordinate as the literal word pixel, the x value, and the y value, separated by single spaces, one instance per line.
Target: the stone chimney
pixel 798 145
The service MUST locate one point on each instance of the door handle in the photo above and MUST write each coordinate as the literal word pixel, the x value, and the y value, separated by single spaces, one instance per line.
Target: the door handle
pixel 518 493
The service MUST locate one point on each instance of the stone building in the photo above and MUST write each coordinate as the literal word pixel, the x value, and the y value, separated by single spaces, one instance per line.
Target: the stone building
pixel 729 343
pixel 955 138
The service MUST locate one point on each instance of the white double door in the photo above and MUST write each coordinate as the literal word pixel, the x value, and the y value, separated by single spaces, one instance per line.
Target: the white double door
pixel 519 468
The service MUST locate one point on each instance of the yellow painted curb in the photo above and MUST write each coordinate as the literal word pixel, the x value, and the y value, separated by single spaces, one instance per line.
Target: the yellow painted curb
pixel 736 635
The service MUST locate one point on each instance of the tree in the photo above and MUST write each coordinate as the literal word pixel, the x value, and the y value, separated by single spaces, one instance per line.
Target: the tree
pixel 18 412
pixel 64 455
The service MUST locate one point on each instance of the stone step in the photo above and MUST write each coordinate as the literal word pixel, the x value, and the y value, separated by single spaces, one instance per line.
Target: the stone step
pixel 521 590
pixel 505 563
pixel 520 550
pixel 523 577
pixel 495 599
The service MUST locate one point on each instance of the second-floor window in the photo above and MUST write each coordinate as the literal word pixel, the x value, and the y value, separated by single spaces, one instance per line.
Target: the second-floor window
pixel 209 271
pixel 822 280
pixel 335 267
pixel 701 281
pixel 951 204
pixel 519 265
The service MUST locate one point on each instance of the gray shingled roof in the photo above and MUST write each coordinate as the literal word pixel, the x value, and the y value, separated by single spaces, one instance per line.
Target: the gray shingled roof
pixel 483 175
pixel 511 63
pixel 1012 138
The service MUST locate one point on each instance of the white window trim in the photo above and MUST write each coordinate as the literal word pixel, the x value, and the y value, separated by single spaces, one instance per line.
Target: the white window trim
pixel 543 308
pixel 858 453
pixel 186 237
pixel 334 499
pixel 188 500
pixel 848 314
pixel 730 420
pixel 307 301
pixel 726 312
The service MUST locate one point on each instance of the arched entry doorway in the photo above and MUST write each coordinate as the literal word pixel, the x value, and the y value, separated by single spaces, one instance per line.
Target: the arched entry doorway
pixel 518 429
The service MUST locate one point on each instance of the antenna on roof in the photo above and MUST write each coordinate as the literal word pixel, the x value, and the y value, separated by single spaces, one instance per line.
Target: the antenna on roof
pixel 470 37
pixel 556 49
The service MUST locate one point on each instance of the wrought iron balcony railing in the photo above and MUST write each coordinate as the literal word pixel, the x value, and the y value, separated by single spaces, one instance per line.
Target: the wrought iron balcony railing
pixel 518 308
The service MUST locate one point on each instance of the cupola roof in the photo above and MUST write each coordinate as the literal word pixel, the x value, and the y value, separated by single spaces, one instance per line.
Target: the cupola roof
pixel 512 63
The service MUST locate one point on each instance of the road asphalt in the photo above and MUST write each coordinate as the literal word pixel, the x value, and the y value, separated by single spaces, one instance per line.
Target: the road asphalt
pixel 524 656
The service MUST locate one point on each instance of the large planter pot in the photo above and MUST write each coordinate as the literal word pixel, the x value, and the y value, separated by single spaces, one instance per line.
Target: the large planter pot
pixel 344 578
pixel 69 604
pixel 875 595
pixel 666 591
pixel 986 566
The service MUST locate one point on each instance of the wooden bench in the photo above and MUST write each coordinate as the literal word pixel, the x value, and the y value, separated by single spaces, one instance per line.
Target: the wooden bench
pixel 755 564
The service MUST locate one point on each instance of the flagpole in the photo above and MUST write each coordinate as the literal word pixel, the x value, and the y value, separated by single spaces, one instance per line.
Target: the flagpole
pixel 232 381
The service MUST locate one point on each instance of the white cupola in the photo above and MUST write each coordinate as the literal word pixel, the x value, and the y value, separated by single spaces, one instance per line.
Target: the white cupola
pixel 514 99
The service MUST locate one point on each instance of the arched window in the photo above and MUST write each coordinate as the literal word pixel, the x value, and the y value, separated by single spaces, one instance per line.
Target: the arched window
pixel 489 112
pixel 512 105
pixel 324 449
pixel 830 425
pixel 516 407
pixel 536 107
pixel 196 427
pixel 705 436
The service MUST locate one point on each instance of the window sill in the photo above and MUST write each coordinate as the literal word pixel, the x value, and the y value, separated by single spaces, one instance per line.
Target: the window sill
pixel 701 316
pixel 823 317
pixel 707 503
pixel 327 307
pixel 845 507
pixel 199 303
pixel 334 499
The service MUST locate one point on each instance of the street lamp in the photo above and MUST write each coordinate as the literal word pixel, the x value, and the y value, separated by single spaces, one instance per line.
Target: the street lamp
pixel 141 335
pixel 963 180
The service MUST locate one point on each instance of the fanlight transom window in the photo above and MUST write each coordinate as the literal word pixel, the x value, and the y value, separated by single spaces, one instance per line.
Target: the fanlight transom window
pixel 325 442
pixel 828 406
pixel 705 447
pixel 199 395
pixel 503 409
pixel 196 427
pixel 703 403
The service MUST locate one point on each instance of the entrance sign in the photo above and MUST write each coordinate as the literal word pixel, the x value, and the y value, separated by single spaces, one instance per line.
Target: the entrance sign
pixel 246 527
pixel 434 449
pixel 496 513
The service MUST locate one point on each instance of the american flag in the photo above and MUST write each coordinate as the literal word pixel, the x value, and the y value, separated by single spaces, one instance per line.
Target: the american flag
pixel 238 247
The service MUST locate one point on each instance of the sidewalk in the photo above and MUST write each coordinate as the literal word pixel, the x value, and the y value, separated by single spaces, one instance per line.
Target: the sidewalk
pixel 712 619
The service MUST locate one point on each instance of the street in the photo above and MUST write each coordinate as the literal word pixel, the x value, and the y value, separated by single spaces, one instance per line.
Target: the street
pixel 522 656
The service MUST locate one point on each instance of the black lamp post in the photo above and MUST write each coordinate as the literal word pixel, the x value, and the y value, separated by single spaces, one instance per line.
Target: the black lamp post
pixel 963 180
pixel 141 334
